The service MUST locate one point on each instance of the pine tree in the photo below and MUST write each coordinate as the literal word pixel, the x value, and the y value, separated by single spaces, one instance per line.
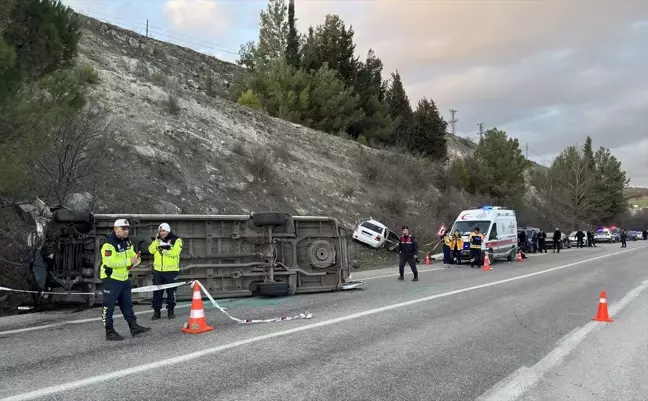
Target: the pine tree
pixel 292 46
pixel 428 134
pixel 498 166
pixel 310 57
pixel 400 110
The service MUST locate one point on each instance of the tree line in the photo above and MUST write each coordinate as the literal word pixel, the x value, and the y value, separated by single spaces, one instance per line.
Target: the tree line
pixel 581 188
pixel 316 79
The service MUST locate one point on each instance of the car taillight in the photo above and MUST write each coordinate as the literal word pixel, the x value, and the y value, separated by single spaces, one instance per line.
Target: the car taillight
pixel 378 238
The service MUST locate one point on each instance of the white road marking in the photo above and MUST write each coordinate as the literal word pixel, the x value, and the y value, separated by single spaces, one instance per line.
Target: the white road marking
pixel 198 354
pixel 523 379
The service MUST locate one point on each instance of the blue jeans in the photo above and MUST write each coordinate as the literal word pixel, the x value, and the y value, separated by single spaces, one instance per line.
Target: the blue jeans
pixel 447 257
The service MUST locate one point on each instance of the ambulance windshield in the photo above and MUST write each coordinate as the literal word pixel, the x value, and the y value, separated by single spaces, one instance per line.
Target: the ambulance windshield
pixel 466 227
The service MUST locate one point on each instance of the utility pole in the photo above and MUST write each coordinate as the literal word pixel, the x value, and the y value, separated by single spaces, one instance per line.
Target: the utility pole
pixel 481 130
pixel 453 120
pixel 527 150
pixel 147 27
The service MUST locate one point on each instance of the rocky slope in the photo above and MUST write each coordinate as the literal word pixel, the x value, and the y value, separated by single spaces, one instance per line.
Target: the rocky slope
pixel 180 145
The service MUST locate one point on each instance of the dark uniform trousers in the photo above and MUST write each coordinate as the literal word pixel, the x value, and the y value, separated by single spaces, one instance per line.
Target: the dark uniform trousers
pixel 409 259
pixel 160 278
pixel 117 291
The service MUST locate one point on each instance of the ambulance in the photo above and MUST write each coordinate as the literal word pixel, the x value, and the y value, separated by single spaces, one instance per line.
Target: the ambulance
pixel 499 227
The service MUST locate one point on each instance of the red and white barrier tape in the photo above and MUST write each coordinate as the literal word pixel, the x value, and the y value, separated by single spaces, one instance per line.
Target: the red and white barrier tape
pixel 151 288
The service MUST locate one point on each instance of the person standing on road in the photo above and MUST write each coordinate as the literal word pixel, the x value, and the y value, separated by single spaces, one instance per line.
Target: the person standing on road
pixel 407 250
pixel 457 246
pixel 447 244
pixel 166 249
pixel 557 239
pixel 475 239
pixel 580 235
pixel 542 241
pixel 117 258
pixel 590 238
pixel 624 238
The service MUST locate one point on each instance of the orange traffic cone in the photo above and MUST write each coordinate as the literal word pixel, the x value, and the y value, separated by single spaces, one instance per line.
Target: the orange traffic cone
pixel 427 258
pixel 602 315
pixel 519 256
pixel 197 322
pixel 486 266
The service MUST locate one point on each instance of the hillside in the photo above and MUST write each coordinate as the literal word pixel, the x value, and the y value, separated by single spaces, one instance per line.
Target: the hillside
pixel 180 145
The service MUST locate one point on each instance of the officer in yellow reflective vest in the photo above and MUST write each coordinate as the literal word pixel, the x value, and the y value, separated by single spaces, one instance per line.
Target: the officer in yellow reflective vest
pixel 166 251
pixel 476 239
pixel 117 258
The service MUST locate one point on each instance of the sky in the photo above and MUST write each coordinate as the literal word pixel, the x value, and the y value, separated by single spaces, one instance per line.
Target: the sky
pixel 549 72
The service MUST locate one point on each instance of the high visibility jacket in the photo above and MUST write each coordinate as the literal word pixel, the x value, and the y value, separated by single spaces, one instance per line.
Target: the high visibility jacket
pixel 457 243
pixel 476 240
pixel 116 254
pixel 166 260
pixel 447 240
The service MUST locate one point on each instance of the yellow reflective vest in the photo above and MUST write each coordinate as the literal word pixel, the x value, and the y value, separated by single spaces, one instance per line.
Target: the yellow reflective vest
pixel 166 260
pixel 116 254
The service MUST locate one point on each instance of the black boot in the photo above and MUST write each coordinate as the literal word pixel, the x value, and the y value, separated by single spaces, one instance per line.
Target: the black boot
pixel 156 314
pixel 401 278
pixel 112 335
pixel 170 314
pixel 415 278
pixel 136 329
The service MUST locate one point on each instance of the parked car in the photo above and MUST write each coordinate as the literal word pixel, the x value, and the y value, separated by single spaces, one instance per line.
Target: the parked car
pixel 530 246
pixel 633 235
pixel 564 240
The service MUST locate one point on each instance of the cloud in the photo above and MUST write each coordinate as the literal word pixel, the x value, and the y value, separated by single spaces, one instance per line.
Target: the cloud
pixel 548 72
pixel 207 17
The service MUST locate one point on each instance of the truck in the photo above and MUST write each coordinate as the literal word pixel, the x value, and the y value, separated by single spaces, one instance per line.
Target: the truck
pixel 271 254
pixel 499 226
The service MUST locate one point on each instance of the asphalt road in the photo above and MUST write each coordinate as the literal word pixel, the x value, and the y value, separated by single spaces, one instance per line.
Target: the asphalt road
pixel 521 331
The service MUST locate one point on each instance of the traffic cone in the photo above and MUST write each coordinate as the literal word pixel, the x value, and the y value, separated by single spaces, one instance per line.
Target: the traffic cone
pixel 427 258
pixel 486 266
pixel 197 322
pixel 519 256
pixel 602 315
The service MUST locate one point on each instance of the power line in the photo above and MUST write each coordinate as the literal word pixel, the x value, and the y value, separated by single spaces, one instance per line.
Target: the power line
pixel 145 30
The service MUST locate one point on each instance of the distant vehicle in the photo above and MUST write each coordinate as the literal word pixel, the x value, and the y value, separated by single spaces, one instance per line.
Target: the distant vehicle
pixel 633 235
pixel 376 235
pixel 530 246
pixel 499 227
pixel 604 235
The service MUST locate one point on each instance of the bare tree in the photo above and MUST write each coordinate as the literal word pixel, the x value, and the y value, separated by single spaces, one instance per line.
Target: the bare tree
pixel 73 153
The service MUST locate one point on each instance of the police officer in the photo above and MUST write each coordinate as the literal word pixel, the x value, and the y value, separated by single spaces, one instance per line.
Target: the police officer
pixel 166 249
pixel 557 240
pixel 542 241
pixel 475 239
pixel 408 251
pixel 117 258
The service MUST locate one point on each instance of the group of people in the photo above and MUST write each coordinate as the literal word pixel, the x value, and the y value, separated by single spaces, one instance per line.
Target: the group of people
pixel 118 257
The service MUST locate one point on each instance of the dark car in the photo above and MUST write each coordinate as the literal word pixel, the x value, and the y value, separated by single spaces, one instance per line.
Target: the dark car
pixel 531 245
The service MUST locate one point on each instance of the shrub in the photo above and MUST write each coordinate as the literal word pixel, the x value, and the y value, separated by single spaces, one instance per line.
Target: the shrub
pixel 88 74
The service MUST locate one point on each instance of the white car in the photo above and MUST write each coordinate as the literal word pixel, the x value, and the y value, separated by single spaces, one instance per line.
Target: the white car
pixel 603 235
pixel 372 233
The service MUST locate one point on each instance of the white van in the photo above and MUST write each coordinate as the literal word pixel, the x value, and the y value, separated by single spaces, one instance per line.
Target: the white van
pixel 499 227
